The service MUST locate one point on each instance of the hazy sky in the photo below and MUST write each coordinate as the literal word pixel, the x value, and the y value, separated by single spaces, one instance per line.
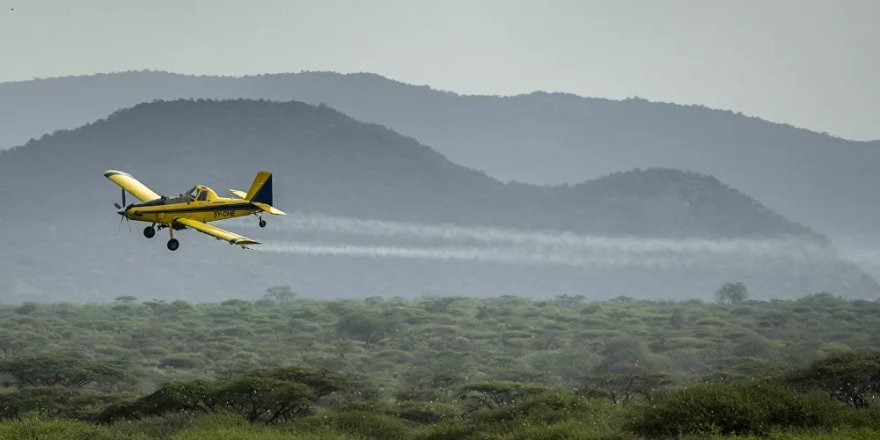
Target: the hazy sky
pixel 811 63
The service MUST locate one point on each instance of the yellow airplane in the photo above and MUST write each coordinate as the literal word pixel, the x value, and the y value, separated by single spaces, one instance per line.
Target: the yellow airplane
pixel 196 208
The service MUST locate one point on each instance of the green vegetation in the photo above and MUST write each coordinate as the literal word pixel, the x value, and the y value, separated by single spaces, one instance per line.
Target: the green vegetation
pixel 287 367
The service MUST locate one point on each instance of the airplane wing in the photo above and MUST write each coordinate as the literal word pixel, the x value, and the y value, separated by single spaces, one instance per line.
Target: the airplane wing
pixel 131 185
pixel 215 232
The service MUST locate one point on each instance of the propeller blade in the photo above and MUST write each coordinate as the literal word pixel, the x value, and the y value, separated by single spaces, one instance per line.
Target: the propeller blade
pixel 117 205
pixel 123 197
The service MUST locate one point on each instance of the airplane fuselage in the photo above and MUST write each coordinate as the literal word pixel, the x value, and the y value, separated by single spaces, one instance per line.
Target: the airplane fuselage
pixel 220 208
pixel 200 203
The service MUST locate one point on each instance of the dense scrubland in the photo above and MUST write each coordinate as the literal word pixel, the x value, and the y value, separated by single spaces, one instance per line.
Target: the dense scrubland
pixel 287 367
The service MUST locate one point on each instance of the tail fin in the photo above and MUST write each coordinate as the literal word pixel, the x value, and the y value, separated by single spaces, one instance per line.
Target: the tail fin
pixel 261 189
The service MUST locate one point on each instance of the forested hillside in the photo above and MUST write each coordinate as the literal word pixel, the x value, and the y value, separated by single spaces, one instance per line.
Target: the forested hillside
pixel 825 182
pixel 289 367
pixel 686 233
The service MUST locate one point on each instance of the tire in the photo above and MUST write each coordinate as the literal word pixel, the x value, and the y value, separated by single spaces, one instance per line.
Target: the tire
pixel 173 244
pixel 262 223
pixel 149 232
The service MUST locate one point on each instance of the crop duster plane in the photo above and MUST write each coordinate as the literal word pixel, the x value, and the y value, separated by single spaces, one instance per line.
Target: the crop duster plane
pixel 194 209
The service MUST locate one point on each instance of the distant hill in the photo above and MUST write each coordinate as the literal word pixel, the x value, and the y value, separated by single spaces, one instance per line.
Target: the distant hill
pixel 546 138
pixel 59 222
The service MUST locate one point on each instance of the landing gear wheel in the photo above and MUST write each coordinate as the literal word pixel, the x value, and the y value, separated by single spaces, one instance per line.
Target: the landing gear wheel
pixel 262 223
pixel 149 232
pixel 173 244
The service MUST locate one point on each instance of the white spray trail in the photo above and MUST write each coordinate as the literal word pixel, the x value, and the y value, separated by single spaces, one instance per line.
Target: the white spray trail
pixel 533 247
pixel 460 253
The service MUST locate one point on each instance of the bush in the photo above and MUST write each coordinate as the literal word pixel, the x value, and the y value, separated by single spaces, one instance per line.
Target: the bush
pixel 425 412
pixel 55 402
pixel 496 394
pixel 226 427
pixel 36 429
pixel 451 430
pixel 161 427
pixel 548 406
pixel 852 377
pixel 753 408
pixel 359 423
pixel 569 429
pixel 843 434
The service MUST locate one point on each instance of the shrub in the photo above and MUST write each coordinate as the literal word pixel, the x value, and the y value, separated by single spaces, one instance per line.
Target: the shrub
pixel 548 406
pixel 451 430
pixel 568 429
pixel 36 429
pixel 61 370
pixel 496 394
pixel 56 402
pixel 424 412
pixel 222 427
pixel 264 395
pixel 851 377
pixel 736 409
pixel 359 423
pixel 161 427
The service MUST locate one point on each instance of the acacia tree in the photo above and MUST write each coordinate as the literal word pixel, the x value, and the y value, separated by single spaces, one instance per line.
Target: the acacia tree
pixel 732 293
pixel 52 402
pixel 264 396
pixel 64 371
pixel 282 294
pixel 11 344
pixel 497 394
pixel 851 377
pixel 623 388
pixel 366 327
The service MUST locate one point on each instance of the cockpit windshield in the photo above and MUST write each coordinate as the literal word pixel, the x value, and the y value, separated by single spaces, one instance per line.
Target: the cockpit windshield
pixel 192 193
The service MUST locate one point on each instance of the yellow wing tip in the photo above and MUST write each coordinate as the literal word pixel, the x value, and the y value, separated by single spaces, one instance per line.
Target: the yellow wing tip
pixel 244 242
pixel 110 173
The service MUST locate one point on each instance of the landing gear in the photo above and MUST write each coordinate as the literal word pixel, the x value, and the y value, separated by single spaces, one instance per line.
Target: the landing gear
pixel 262 223
pixel 173 244
pixel 149 232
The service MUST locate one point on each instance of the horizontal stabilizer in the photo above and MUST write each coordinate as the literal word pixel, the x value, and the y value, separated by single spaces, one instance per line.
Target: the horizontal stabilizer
pixel 269 208
pixel 241 194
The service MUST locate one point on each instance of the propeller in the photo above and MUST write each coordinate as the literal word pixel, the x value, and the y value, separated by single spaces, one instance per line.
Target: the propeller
pixel 123 201
pixel 121 212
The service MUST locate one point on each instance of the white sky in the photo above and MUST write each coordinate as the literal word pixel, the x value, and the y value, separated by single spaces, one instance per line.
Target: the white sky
pixel 811 63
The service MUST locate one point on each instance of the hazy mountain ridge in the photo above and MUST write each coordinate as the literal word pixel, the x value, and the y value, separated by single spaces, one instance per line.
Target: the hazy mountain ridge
pixel 67 243
pixel 337 165
pixel 538 137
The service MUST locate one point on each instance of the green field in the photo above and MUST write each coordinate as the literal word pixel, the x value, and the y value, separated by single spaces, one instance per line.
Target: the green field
pixel 285 367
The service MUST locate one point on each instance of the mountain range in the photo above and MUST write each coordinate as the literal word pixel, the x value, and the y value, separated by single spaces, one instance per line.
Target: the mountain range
pixel 822 181
pixel 393 217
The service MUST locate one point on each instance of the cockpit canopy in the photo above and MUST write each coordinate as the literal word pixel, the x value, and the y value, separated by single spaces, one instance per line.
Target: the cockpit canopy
pixel 200 193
